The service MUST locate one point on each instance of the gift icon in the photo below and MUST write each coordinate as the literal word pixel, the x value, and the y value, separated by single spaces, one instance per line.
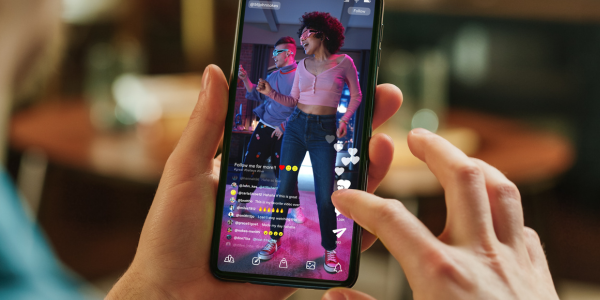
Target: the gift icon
pixel 283 263
pixel 229 259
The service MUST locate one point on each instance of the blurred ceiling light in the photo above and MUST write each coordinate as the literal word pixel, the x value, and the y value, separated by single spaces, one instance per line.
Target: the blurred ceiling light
pixel 342 109
pixel 471 51
pixel 425 118
pixel 87 11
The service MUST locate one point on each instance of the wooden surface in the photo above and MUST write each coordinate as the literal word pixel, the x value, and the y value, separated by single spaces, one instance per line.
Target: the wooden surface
pixel 526 156
pixel 65 134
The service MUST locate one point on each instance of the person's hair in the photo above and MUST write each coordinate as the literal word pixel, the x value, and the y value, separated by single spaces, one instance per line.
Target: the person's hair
pixel 286 40
pixel 329 28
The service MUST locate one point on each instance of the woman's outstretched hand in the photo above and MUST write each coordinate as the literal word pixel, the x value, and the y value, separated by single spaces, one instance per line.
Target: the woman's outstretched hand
pixel 263 87
pixel 172 259
pixel 485 251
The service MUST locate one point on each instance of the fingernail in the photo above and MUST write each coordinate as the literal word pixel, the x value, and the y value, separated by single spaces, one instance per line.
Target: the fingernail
pixel 206 78
pixel 334 295
pixel 420 131
pixel 339 192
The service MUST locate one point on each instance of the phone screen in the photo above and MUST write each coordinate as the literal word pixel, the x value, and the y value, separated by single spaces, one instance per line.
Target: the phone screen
pixel 304 84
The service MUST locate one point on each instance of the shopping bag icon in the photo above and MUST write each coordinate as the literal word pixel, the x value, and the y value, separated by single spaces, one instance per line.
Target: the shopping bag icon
pixel 229 259
pixel 283 263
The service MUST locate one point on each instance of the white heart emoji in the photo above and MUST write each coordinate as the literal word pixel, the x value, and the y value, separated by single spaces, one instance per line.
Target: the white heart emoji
pixel 355 159
pixel 338 147
pixel 346 160
pixel 339 171
pixel 343 184
pixel 330 138
pixel 352 151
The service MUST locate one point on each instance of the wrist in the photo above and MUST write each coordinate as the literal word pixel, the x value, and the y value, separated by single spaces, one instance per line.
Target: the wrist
pixel 248 85
pixel 132 285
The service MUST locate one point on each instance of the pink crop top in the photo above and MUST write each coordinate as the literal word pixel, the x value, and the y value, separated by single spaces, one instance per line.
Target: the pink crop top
pixel 324 89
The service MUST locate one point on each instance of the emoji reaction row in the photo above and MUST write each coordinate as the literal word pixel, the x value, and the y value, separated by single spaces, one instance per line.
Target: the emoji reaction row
pixel 288 168
pixel 273 233
pixel 268 209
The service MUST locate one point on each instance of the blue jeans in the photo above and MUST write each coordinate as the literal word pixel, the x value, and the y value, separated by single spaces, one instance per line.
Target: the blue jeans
pixel 306 132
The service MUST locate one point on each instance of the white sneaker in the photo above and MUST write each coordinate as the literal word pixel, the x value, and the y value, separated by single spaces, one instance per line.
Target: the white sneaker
pixel 331 264
pixel 269 249
pixel 297 215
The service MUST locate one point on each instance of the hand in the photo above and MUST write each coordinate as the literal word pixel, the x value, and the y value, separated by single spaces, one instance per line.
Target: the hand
pixel 172 259
pixel 342 130
pixel 242 73
pixel 485 251
pixel 277 132
pixel 263 87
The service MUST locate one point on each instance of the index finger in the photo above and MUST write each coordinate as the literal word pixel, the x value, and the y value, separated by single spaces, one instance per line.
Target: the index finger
pixel 401 232
pixel 469 215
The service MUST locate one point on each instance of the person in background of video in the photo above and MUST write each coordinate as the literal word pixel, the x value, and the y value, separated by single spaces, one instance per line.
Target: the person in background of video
pixel 267 136
pixel 317 91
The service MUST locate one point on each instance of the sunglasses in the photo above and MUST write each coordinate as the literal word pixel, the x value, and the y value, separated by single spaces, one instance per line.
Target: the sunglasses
pixel 276 52
pixel 307 33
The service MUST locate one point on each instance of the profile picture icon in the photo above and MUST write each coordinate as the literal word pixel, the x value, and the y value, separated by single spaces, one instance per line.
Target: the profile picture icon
pixel 228 244
pixel 229 222
pixel 230 207
pixel 230 214
pixel 229 229
pixel 232 200
pixel 234 177
pixel 229 236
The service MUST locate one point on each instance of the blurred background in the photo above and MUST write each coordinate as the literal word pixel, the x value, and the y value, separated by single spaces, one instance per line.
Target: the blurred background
pixel 511 82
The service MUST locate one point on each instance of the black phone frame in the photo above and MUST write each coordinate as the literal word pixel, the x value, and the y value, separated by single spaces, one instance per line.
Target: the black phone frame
pixel 368 96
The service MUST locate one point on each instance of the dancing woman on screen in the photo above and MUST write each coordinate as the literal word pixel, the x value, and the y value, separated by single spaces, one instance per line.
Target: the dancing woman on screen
pixel 316 93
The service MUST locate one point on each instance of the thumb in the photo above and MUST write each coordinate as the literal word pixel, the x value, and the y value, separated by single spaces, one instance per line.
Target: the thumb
pixel 345 294
pixel 200 140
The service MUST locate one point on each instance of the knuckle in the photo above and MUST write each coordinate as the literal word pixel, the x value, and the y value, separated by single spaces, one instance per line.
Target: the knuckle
pixel 467 172
pixel 531 235
pixel 389 211
pixel 438 263
pixel 506 190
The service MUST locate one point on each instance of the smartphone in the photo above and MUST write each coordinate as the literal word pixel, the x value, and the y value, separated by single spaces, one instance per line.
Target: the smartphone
pixel 299 119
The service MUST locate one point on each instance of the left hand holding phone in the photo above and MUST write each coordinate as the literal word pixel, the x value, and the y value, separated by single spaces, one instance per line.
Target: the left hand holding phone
pixel 172 259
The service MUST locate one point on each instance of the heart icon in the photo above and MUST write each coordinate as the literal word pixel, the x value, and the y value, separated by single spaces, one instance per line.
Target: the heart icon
pixel 330 138
pixel 346 160
pixel 339 171
pixel 352 151
pixel 343 184
pixel 338 147
pixel 281 167
pixel 355 159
